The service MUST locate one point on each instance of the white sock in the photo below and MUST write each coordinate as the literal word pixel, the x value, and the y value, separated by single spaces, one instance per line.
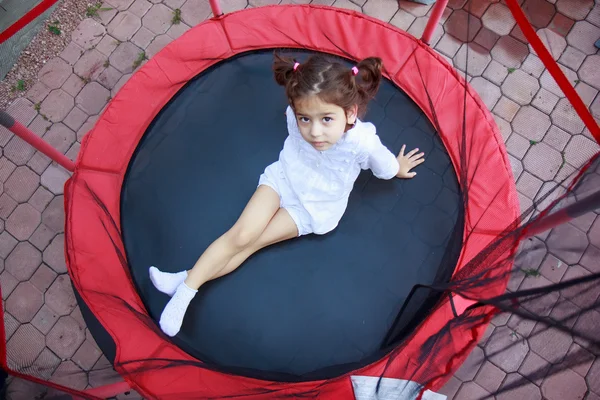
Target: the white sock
pixel 172 316
pixel 167 282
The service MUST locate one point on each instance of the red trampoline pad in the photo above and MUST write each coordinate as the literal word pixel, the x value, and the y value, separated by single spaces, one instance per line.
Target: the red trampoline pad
pixel 94 249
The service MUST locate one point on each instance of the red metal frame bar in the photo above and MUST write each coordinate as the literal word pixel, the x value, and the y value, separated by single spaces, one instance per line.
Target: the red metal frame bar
pixel 38 143
pixel 27 18
pixel 554 70
pixel 216 8
pixel 436 15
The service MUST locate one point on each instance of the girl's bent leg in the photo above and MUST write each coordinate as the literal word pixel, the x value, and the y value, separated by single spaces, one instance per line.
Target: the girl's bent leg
pixel 282 227
pixel 252 222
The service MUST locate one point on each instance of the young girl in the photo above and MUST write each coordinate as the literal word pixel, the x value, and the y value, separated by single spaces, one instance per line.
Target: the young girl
pixel 306 191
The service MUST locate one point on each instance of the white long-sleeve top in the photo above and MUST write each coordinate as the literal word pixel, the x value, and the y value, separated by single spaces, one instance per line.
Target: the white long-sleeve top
pixel 323 180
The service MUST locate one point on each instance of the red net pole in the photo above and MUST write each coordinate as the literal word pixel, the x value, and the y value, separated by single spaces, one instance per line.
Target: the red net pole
pixel 216 8
pixel 434 19
pixel 18 129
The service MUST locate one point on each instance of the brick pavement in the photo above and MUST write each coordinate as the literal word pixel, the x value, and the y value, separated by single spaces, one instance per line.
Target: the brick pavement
pixel 544 138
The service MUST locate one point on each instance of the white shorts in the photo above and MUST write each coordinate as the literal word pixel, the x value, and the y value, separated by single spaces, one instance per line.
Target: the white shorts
pixel 275 179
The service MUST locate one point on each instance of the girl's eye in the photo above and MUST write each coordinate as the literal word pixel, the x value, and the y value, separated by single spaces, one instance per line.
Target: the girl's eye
pixel 327 119
pixel 303 119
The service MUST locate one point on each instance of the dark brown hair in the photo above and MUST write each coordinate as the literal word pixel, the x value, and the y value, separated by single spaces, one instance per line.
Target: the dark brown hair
pixel 329 79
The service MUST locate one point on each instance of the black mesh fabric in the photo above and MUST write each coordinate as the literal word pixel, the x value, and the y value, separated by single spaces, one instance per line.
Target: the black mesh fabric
pixel 311 307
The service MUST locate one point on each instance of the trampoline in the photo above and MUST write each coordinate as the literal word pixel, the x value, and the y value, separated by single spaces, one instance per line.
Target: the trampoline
pixel 177 153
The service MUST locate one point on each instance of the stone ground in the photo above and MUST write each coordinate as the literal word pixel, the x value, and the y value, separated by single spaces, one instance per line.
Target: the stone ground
pixel 544 138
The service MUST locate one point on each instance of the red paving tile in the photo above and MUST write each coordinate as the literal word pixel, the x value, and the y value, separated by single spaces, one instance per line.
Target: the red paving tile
pixel 506 350
pixel 490 377
pixel 54 178
pixel 54 73
pixel 520 87
pixel 194 11
pixel 563 384
pixel 45 364
pixel 70 375
pixel 471 391
pixel 38 92
pixel 583 35
pixel 65 337
pixel 498 19
pixel 24 302
pixel 593 377
pixel 77 117
pixel 73 85
pixel 43 278
pixel 57 105
pixel 6 168
pixel 54 215
pixel 60 296
pixel 45 319
pixel 588 324
pixel 535 368
pixel 158 19
pixel 23 221
pixel 176 30
pixel 23 261
pixel 469 368
pixel 528 184
pixel 542 160
pixel 489 92
pixel 87 355
pixel 22 183
pixel 510 52
pixel 87 35
pixel 161 41
pixel 140 7
pixel 579 359
pixel 583 296
pixel 516 387
pixel 40 199
pixel 458 23
pixel 124 56
pixel 25 345
pixel 561 24
pixel 450 388
pixel 18 151
pixel 539 12
pixel 496 72
pixel 531 123
pixel 589 71
pixel 550 343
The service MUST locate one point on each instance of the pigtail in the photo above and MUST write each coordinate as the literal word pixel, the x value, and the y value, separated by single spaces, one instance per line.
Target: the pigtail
pixel 368 77
pixel 283 69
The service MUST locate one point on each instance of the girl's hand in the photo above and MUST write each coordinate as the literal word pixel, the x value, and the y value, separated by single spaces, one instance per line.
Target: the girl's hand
pixel 408 162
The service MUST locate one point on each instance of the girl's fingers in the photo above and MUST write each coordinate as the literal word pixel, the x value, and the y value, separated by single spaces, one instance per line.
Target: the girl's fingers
pixel 402 150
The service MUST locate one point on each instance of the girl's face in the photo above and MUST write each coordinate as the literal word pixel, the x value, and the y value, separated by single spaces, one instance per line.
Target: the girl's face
pixel 322 124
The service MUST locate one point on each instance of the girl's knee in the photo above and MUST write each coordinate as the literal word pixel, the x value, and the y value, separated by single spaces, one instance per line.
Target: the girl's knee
pixel 242 236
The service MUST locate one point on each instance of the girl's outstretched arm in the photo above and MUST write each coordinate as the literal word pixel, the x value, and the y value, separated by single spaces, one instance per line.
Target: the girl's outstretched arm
pixel 408 162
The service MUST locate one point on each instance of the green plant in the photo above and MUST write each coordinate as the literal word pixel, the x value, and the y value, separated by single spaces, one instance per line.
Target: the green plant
pixel 533 142
pixel 37 106
pixel 176 16
pixel 19 86
pixel 106 64
pixel 138 61
pixel 531 272
pixel 511 70
pixel 92 11
pixel 54 29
